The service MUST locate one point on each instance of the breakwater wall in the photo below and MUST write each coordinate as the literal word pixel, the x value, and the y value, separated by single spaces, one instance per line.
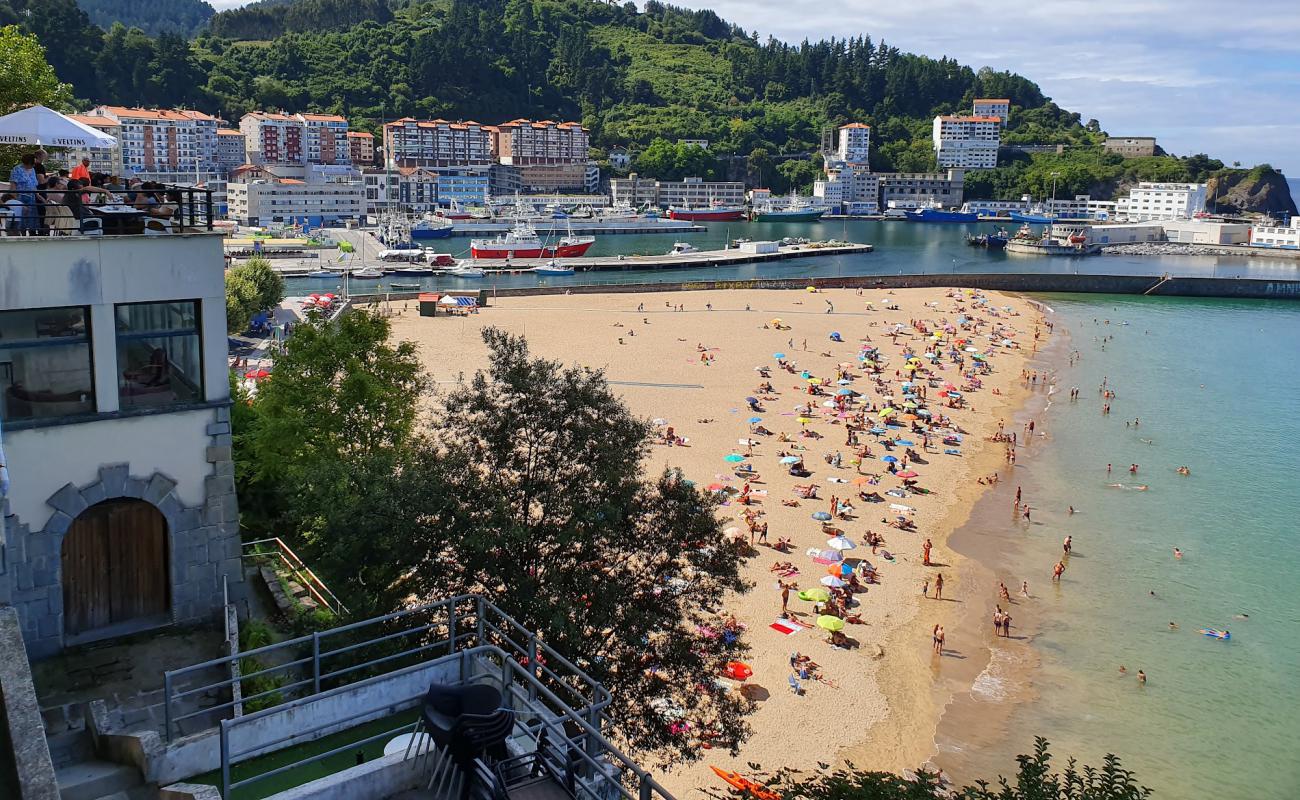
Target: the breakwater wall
pixel 1241 288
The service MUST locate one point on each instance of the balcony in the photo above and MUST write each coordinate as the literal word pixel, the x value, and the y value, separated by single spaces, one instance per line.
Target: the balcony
pixel 175 210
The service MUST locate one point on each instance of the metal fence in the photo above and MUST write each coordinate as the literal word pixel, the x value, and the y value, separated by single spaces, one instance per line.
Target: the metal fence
pixel 157 211
pixel 299 668
pixel 275 553
pixel 564 742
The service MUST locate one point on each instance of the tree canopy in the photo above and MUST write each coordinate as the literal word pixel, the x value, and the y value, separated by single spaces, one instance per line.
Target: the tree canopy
pixel 26 78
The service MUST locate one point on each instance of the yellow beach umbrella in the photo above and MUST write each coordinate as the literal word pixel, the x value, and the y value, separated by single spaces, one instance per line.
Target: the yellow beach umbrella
pixel 804 420
pixel 812 288
pixel 815 381
pixel 829 623
pixel 885 412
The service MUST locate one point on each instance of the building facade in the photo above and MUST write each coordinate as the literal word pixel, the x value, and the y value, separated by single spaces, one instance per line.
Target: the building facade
pixel 524 143
pixel 361 146
pixel 1287 236
pixel 966 142
pixel 1130 146
pixel 257 195
pixel 163 145
pixel 559 178
pixel 230 148
pixel 102 159
pixel 915 189
pixel 691 192
pixel 119 513
pixel 1158 201
pixel 620 158
pixel 437 143
pixel 999 107
pixel 326 138
pixel 854 144
pixel 849 189
pixel 274 139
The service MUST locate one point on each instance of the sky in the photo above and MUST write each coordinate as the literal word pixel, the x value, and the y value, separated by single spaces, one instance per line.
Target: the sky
pixel 1208 76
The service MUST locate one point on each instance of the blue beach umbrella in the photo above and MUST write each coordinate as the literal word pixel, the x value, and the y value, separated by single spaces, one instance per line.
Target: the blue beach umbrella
pixel 778 355
pixel 821 515
pixel 734 458
pixel 890 459
pixel 904 443
pixel 877 430
pixel 752 420
pixel 844 392
pixel 790 460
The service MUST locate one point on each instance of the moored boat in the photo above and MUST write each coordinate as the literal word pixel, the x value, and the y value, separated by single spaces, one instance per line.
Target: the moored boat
pixel 553 268
pixel 431 229
pixel 795 209
pixel 713 213
pixel 937 214
pixel 523 242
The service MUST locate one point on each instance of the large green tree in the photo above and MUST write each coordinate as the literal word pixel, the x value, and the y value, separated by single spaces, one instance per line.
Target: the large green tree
pixel 26 78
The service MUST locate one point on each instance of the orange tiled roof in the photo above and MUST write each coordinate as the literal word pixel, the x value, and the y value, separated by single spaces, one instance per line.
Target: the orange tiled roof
pixel 323 117
pixel 992 100
pixel 229 132
pixel 969 119
pixel 855 125
pixel 132 113
pixel 354 135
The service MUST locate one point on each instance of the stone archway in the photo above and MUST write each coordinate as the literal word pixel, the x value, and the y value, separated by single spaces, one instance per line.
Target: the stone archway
pixel 114 565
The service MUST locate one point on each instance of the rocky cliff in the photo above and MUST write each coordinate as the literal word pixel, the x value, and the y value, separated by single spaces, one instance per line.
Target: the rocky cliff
pixel 1261 190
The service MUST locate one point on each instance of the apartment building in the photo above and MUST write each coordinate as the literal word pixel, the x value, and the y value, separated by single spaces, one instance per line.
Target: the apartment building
pixel 999 107
pixel 524 143
pixel 327 139
pixel 230 148
pixel 854 144
pixel 120 513
pixel 361 146
pixel 102 159
pixel 691 192
pixel 421 189
pixel 1130 146
pixel 849 189
pixel 437 143
pixel 914 189
pixel 1159 201
pixel 966 142
pixel 261 195
pixel 274 139
pixel 167 145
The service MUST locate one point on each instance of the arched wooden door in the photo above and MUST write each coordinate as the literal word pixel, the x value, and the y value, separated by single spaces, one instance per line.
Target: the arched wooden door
pixel 114 566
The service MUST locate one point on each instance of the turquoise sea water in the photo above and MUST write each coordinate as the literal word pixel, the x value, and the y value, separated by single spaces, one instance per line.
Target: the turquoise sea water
pixel 1215 385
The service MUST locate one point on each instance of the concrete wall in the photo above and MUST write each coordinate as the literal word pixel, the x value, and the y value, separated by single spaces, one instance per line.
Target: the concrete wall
pixel 179 462
pixel 24 731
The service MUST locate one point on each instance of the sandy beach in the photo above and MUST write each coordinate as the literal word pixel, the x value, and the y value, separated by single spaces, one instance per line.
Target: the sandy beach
pixel 880 701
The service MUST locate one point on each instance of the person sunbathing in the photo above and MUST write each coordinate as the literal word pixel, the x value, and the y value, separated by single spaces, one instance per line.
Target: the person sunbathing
pixel 780 566
pixel 783 545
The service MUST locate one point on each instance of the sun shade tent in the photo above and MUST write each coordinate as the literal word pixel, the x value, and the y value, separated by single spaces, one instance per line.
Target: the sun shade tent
pixel 38 125
pixel 461 302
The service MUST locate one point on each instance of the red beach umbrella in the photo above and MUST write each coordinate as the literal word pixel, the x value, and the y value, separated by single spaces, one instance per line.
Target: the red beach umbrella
pixel 738 670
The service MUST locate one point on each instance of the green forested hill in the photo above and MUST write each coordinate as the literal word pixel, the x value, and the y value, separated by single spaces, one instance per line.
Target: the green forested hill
pixel 185 17
pixel 631 76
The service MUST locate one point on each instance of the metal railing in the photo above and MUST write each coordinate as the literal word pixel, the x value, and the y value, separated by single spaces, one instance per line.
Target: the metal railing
pixel 307 665
pixel 121 212
pixel 282 554
pixel 567 741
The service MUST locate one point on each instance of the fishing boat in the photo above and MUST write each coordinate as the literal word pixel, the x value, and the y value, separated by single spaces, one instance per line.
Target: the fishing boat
pixel 715 212
pixel 1035 215
pixel 431 229
pixel 522 241
pixel 1027 242
pixel 553 268
pixel 992 241
pixel 935 213
pixel 795 209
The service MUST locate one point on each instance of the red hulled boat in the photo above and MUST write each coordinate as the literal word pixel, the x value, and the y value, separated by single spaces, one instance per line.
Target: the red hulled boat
pixel 523 242
pixel 714 213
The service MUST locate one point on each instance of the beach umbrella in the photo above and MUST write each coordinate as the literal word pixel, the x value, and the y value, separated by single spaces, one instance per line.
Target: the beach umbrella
pixel 821 515
pixel 885 412
pixel 778 355
pixel 910 405
pixel 790 459
pixel 905 474
pixel 845 393
pixel 752 420
pixel 812 289
pixel 815 381
pixel 909 417
pixel 829 556
pixel 734 458
pixel 861 480
pixel 716 487
pixel 903 442
pixel 778 322
pixel 38 125
pixel 877 430
pixel 889 459
pixel 804 420
pixel 816 595
pixel 841 543
pixel 846 569
pixel 257 374
pixel 658 421
pixel 751 399
pixel 738 670
pixel 833 582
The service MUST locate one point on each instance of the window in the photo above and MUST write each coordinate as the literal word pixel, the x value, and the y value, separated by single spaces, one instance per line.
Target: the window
pixel 45 363
pixel 159 354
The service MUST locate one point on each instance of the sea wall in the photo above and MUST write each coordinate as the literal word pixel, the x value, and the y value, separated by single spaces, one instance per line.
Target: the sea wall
pixel 1243 288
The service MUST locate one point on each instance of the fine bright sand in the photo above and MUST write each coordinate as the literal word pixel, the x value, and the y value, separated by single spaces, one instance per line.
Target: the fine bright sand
pixel 883 710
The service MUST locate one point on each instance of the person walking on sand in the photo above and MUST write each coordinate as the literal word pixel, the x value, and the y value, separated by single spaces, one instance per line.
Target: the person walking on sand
pixel 925 552
pixel 785 598
pixel 925 587
pixel 938 586
pixel 1024 588
pixel 936 637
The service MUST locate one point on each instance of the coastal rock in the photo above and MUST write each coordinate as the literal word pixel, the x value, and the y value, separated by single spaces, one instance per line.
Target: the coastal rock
pixel 1262 190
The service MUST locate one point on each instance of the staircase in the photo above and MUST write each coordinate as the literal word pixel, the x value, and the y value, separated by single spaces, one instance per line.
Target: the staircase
pixel 81 775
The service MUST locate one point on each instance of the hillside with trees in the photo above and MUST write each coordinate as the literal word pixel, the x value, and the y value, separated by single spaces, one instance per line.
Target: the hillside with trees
pixel 153 17
pixel 631 76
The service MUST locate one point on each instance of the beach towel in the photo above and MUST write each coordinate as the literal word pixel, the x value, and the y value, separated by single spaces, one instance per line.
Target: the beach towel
pixel 784 626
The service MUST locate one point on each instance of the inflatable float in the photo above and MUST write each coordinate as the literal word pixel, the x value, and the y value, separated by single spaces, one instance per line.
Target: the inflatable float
pixel 738 781
pixel 1216 634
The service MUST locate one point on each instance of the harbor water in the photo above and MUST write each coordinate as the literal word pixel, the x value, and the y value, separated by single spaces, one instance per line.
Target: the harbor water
pixel 1213 384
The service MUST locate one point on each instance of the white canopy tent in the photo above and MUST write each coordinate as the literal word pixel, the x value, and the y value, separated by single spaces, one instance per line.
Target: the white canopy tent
pixel 38 125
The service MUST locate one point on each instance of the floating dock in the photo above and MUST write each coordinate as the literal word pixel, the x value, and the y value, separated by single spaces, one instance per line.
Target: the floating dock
pixel 701 258
pixel 561 227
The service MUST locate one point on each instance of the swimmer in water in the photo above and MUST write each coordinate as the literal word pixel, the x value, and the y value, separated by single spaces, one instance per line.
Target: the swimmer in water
pixel 1241 616
pixel 1071 512
pixel 1142 678
pixel 1123 670
pixel 1173 626
pixel 1178 553
pixel 1141 487
pixel 1184 471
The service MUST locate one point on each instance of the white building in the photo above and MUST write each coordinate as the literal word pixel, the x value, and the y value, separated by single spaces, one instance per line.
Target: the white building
pixel 166 145
pixel 999 107
pixel 1158 201
pixel 1276 235
pixel 691 192
pixel 917 189
pixel 256 195
pixel 1204 231
pixel 966 142
pixel 120 513
pixel 854 144
pixel 620 158
pixel 848 189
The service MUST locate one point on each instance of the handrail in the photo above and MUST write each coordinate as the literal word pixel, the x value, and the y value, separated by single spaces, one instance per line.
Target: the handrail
pixel 605 755
pixel 194 211
pixel 300 569
pixel 458 623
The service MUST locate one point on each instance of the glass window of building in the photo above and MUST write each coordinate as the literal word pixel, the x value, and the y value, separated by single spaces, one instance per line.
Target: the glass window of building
pixel 159 354
pixel 45 363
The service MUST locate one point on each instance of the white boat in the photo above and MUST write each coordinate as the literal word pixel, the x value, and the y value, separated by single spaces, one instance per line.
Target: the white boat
pixel 681 248
pixel 368 273
pixel 553 268
pixel 463 270
pixel 402 254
